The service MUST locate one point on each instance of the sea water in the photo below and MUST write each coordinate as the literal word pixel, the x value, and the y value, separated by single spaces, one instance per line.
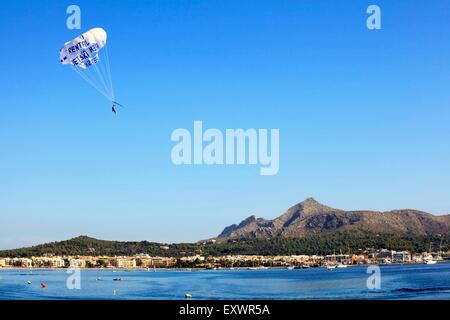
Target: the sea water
pixel 397 282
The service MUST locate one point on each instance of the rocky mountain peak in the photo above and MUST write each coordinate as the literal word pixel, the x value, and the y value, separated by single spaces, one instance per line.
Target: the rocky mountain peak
pixel 310 217
pixel 311 205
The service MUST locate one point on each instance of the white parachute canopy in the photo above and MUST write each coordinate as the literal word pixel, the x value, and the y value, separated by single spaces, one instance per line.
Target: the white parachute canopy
pixel 88 56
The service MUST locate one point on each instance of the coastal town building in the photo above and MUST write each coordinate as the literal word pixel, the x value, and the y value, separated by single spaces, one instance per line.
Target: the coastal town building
pixel 401 257
pixel 360 259
pixel 21 262
pixel 48 262
pixel 77 263
pixel 192 258
pixel 145 261
pixel 123 262
pixel 157 262
pixel 384 257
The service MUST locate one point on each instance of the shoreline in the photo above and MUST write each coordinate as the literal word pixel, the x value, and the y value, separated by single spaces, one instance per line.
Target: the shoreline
pixel 207 269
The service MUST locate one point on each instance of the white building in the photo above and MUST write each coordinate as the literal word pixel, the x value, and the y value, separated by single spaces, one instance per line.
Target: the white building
pixel 22 262
pixel 401 257
pixel 49 262
pixel 77 263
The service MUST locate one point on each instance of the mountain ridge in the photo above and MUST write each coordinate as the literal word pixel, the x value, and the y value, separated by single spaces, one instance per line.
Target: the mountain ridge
pixel 308 227
pixel 310 217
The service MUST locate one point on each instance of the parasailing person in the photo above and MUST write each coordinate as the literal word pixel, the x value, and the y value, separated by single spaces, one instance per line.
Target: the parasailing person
pixel 87 54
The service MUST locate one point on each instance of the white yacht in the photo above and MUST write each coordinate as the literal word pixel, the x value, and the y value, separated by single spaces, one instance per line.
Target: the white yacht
pixel 330 267
pixel 429 258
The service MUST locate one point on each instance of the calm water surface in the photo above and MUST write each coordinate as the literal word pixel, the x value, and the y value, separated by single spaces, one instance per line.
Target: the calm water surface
pixel 398 282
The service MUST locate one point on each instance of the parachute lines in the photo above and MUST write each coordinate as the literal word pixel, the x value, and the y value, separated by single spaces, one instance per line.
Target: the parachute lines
pixel 86 57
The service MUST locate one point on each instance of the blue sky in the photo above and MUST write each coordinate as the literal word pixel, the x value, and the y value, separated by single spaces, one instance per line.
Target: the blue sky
pixel 363 115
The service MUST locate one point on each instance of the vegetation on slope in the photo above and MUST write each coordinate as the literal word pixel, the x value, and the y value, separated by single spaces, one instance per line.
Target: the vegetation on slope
pixel 321 245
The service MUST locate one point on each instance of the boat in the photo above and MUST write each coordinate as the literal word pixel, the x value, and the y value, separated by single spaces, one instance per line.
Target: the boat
pixel 290 268
pixel 429 259
pixel 341 264
pixel 117 279
pixel 331 265
pixel 439 256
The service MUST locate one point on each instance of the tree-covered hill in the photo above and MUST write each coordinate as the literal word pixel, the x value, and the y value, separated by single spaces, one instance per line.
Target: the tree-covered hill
pixel 84 245
pixel 322 245
pixel 329 244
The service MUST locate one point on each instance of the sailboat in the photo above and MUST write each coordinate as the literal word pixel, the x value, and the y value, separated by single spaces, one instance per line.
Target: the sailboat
pixel 340 264
pixel 429 259
pixel 439 257
pixel 331 266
